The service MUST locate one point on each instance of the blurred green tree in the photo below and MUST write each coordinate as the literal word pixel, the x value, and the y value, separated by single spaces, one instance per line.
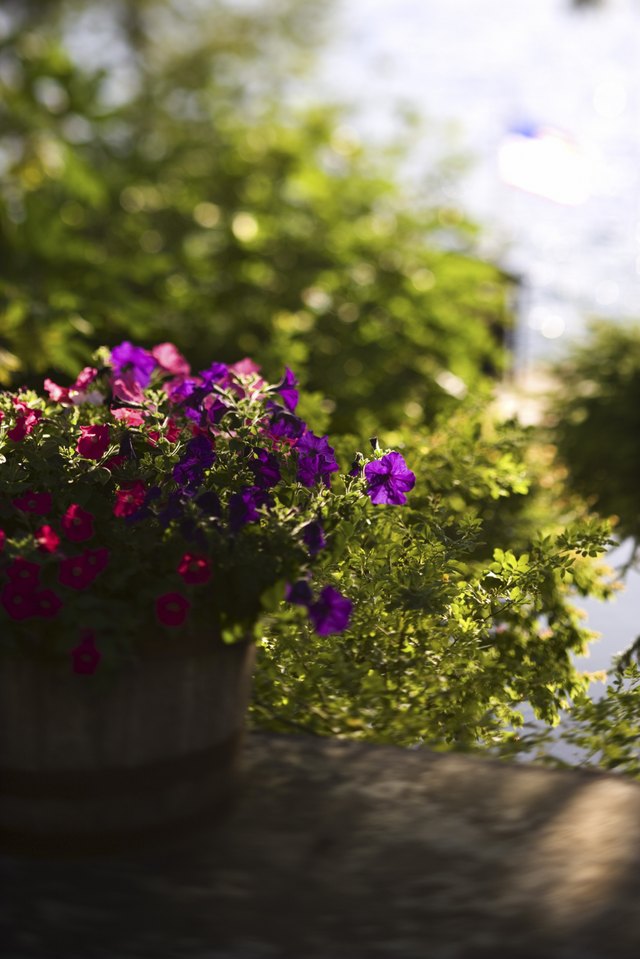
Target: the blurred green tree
pixel 595 421
pixel 170 194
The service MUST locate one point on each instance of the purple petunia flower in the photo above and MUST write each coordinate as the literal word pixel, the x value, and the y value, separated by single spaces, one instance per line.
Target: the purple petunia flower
pixel 173 509
pixel 200 448
pixel 190 395
pixel 315 459
pixel 180 392
pixel 283 424
pixel 209 503
pixel 217 373
pixel 388 479
pixel 214 409
pixel 188 472
pixel 265 469
pixel 310 445
pixel 299 593
pixel 243 507
pixel 198 456
pixel 314 538
pixel 287 389
pixel 331 612
pixel 140 362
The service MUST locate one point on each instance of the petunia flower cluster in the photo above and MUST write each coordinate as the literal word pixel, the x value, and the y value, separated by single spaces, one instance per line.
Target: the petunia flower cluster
pixel 147 498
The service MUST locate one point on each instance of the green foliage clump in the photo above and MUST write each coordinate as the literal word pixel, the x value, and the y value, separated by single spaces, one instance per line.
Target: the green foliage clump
pixel 452 634
pixel 596 421
pixel 607 730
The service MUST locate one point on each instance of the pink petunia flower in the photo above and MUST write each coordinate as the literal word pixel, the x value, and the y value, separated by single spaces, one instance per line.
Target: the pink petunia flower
pixel 77 524
pixel 47 539
pixel 85 378
pixel 58 394
pixel 127 389
pixel 194 569
pixel 172 609
pixel 85 657
pixel 129 498
pixel 93 441
pixel 170 359
pixel 3 537
pixel 30 502
pixel 24 574
pixel 128 416
pixel 244 367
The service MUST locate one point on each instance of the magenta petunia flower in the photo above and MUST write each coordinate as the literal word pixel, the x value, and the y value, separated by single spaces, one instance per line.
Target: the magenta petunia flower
pixel 3 537
pixel 93 441
pixel 77 524
pixel 129 498
pixel 26 421
pixel 18 432
pixel 115 462
pixel 24 574
pixel 96 560
pixel 388 479
pixel 85 657
pixel 47 539
pixel 46 603
pixel 172 609
pixel 331 612
pixel 24 425
pixel 18 602
pixel 172 431
pixel 79 572
pixel 38 503
pixel 194 569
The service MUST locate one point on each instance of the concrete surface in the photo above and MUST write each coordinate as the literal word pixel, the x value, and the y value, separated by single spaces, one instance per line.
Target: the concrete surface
pixel 335 850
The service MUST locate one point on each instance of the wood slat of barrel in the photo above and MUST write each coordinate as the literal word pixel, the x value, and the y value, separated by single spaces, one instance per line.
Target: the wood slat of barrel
pixel 89 765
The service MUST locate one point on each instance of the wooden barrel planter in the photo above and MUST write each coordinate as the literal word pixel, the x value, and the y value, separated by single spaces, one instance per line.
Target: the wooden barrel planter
pixel 91 764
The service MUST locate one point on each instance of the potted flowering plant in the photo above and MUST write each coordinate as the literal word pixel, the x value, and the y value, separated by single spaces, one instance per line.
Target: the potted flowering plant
pixel 148 517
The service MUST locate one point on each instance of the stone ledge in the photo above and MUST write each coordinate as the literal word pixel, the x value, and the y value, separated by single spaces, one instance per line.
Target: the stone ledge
pixel 336 850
